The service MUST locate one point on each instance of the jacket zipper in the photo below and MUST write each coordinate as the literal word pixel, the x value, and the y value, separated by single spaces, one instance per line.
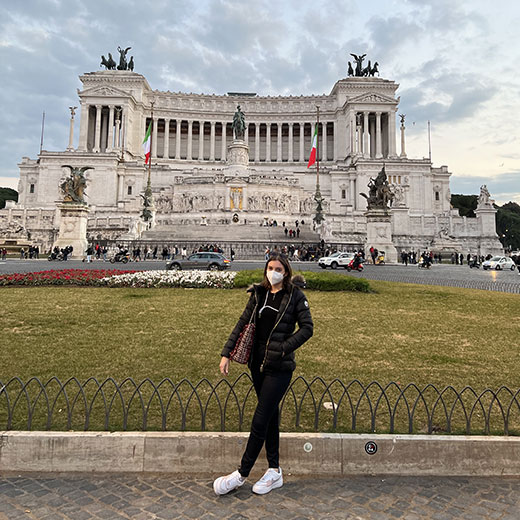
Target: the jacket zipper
pixel 275 325
pixel 253 316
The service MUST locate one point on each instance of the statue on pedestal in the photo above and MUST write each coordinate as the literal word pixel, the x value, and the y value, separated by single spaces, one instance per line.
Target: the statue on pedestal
pixel 239 124
pixel 73 187
pixel 484 199
pixel 380 194
pixel 148 205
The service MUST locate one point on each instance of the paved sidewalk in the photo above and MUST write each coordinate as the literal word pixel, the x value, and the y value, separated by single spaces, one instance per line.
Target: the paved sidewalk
pixel 159 497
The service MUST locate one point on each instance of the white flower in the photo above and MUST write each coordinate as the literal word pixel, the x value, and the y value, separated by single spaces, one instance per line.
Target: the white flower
pixel 192 279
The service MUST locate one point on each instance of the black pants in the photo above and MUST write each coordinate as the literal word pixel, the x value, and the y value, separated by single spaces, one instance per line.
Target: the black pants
pixel 270 387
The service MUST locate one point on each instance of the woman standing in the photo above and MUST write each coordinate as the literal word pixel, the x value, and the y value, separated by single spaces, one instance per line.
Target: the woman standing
pixel 276 305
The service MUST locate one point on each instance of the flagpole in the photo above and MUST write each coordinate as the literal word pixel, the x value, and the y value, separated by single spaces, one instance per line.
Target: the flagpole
pixel 317 147
pixel 152 103
pixel 429 143
pixel 148 210
pixel 43 128
pixel 318 218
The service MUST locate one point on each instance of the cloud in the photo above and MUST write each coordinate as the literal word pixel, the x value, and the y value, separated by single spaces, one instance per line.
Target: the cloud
pixel 502 187
pixel 454 61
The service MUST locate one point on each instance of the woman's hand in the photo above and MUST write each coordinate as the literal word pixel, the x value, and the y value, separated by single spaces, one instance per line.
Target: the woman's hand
pixel 224 366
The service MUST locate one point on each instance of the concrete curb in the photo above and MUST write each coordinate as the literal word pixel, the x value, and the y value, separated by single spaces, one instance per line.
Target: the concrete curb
pixel 301 453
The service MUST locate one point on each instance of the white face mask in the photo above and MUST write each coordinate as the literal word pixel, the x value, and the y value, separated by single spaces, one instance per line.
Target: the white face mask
pixel 274 277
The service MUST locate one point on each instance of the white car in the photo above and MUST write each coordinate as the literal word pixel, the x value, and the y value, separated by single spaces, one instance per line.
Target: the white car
pixel 335 260
pixel 498 263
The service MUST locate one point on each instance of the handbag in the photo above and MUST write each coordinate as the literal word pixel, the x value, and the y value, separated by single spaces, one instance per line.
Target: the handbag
pixel 244 344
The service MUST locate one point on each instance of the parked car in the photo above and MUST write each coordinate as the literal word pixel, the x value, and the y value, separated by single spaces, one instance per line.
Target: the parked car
pixel 498 263
pixel 336 260
pixel 202 260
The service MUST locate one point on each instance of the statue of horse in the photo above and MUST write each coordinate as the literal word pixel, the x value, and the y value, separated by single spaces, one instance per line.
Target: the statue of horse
pixel 111 62
pixel 366 70
pixel 374 69
pixel 131 63
pixel 123 65
pixel 350 69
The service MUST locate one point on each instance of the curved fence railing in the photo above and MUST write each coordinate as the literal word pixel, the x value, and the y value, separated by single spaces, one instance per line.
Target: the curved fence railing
pixel 315 405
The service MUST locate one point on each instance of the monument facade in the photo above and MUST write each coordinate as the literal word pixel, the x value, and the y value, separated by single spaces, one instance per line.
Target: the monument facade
pixel 203 171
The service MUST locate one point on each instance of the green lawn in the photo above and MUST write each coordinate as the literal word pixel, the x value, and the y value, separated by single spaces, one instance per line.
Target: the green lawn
pixel 406 333
pixel 403 333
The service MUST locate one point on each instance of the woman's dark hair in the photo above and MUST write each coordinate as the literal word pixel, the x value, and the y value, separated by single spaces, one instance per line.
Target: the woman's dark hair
pixel 287 267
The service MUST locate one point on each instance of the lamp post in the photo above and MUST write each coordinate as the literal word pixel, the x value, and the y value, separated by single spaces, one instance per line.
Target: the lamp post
pixel 148 206
pixel 318 218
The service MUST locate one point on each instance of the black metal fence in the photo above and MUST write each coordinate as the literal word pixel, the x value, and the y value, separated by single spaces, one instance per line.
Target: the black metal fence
pixel 314 405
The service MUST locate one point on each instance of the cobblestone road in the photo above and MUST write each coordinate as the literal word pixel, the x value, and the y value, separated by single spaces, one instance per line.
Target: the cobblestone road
pixel 440 274
pixel 146 498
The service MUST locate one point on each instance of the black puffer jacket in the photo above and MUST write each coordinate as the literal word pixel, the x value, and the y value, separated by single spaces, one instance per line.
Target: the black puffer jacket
pixel 294 309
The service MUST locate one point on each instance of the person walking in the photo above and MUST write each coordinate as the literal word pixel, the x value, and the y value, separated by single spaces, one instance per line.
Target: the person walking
pixel 276 306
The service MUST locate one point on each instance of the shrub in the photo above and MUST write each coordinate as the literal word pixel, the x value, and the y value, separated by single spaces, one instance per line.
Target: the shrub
pixel 322 281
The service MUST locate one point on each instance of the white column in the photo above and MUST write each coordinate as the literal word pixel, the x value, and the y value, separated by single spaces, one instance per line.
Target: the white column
pixel 118 134
pixel 291 144
pixel 324 141
pixel 166 145
pixel 212 142
pixel 155 130
pixel 120 186
pixel 391 136
pixel 379 153
pixel 279 142
pixel 403 148
pixel 366 151
pixel 352 194
pixel 178 139
pixel 352 136
pixel 302 150
pixel 110 141
pixel 224 139
pixel 268 143
pixel 201 141
pixel 246 134
pixel 335 140
pixel 190 142
pixel 97 133
pixel 124 130
pixel 83 128
pixel 257 142
pixel 70 148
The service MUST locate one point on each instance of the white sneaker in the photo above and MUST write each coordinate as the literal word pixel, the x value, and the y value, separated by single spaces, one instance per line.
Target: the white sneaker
pixel 272 479
pixel 225 484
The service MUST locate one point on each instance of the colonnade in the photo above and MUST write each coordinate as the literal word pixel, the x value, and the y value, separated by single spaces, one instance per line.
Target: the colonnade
pixel 102 128
pixel 372 134
pixel 208 140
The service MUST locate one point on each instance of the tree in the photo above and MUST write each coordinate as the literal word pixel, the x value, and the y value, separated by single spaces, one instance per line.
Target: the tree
pixel 466 204
pixel 7 194
pixel 508 226
pixel 507 219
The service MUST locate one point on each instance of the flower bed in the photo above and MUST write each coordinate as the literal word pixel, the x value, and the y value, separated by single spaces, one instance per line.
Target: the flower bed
pixel 84 277
pixel 191 279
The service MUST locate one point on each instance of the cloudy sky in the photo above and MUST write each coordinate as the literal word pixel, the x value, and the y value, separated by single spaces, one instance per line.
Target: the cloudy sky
pixel 456 62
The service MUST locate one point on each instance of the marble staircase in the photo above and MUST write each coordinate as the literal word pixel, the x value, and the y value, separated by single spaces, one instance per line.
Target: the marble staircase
pixel 228 233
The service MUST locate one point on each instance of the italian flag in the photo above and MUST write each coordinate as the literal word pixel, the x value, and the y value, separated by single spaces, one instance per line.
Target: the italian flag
pixel 312 158
pixel 146 143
